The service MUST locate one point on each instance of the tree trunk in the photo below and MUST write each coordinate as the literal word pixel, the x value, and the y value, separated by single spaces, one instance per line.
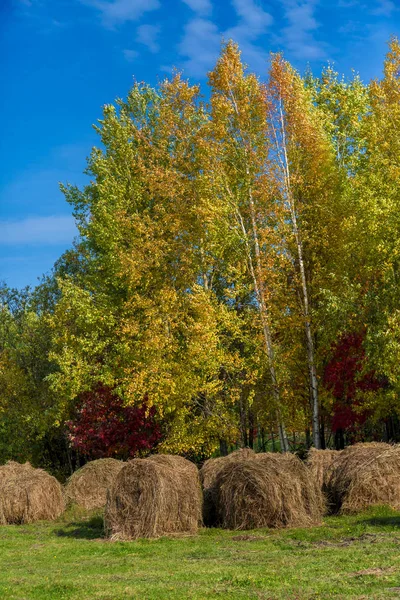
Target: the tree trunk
pixel 308 438
pixel 259 290
pixel 339 439
pixel 264 319
pixel 322 437
pixel 305 303
pixel 223 448
pixel 251 429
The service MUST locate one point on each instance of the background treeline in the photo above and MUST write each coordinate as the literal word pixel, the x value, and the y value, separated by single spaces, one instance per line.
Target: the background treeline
pixel 235 281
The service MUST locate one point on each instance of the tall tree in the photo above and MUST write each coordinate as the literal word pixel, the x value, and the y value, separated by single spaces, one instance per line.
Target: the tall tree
pixel 378 198
pixel 239 152
pixel 308 188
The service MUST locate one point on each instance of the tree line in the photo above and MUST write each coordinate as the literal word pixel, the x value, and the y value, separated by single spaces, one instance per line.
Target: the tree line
pixel 235 280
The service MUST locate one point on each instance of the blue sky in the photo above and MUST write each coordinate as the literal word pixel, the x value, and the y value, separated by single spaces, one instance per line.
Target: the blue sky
pixel 61 60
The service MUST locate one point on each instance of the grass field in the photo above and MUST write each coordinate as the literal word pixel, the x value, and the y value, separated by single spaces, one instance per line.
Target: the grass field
pixel 348 557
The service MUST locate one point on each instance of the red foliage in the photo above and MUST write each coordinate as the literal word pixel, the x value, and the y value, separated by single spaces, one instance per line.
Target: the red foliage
pixel 342 378
pixel 104 427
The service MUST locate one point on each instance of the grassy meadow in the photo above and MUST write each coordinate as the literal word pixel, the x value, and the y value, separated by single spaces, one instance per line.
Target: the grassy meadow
pixel 354 557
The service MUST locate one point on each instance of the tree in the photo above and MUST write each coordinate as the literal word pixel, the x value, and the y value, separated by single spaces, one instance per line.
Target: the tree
pixel 378 227
pixel 104 427
pixel 350 386
pixel 143 319
pixel 238 152
pixel 308 190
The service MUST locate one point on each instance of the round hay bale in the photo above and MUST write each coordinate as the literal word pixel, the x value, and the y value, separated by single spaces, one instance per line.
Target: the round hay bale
pixel 208 477
pixel 365 475
pixel 88 486
pixel 311 497
pixel 270 490
pixel 152 497
pixel 12 468
pixel 319 462
pixel 28 495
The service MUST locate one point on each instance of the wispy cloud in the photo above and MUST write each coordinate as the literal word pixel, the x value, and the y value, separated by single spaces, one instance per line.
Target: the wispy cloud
pixel 254 19
pixel 38 230
pixel 130 55
pixel 118 12
pixel 202 39
pixel 202 7
pixel 200 45
pixel 253 22
pixel 348 3
pixel 384 8
pixel 298 36
pixel 147 35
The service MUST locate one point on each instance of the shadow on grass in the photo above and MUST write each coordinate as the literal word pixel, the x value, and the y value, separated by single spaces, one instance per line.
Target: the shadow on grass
pixel 392 521
pixel 90 529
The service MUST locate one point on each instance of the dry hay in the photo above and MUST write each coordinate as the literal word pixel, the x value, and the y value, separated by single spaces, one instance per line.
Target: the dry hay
pixel 320 462
pixel 365 475
pixel 28 495
pixel 12 468
pixel 154 496
pixel 268 490
pixel 208 476
pixel 88 486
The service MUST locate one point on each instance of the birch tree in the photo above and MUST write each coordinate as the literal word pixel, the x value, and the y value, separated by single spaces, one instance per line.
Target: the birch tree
pixel 239 151
pixel 303 167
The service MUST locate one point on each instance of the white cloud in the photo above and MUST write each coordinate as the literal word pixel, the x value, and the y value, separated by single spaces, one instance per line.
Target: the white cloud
pixel 348 3
pixel 130 55
pixel 254 18
pixel 202 38
pixel 147 35
pixel 202 7
pixel 118 12
pixel 298 36
pixel 385 8
pixel 38 230
pixel 253 22
pixel 200 45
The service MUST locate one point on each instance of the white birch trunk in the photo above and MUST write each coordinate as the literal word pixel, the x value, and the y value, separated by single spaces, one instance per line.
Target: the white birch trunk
pixel 259 290
pixel 305 296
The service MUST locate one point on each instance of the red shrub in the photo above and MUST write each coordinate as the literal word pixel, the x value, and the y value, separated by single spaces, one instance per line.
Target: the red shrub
pixel 343 378
pixel 105 427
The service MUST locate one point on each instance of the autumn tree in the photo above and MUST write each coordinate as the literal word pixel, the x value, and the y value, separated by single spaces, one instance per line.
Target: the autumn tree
pixel 308 196
pixel 238 155
pixel 377 193
pixel 144 320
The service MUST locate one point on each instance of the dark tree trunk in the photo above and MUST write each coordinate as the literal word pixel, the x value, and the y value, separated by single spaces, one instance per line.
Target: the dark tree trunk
pixel 251 429
pixel 322 434
pixel 262 439
pixel 223 448
pixel 308 438
pixel 273 441
pixel 339 439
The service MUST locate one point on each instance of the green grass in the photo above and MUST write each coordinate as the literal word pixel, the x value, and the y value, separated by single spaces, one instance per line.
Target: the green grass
pixel 348 557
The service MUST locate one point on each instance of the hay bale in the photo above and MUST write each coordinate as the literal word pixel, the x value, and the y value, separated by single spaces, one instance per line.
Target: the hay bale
pixel 208 477
pixel 320 462
pixel 268 490
pixel 28 495
pixel 154 496
pixel 12 468
pixel 313 502
pixel 88 486
pixel 365 475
